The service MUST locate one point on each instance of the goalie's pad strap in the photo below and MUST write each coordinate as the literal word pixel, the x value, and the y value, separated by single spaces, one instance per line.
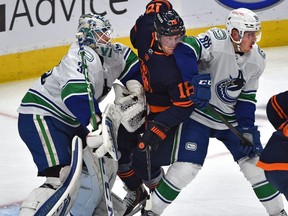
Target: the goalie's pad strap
pixel 60 202
pixel 29 204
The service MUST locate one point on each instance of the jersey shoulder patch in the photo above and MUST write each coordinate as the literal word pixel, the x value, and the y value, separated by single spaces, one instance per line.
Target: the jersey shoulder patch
pixel 118 47
pixel 219 34
pixel 193 43
pixel 261 52
pixel 88 55
pixel 191 40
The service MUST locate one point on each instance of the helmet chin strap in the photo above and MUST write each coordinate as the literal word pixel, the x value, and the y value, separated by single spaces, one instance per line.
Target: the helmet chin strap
pixel 238 43
pixel 239 47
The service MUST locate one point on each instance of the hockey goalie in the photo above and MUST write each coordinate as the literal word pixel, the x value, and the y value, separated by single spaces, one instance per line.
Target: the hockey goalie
pixel 82 189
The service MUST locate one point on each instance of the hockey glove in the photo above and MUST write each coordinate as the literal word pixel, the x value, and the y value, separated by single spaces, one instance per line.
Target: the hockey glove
pixel 94 138
pixel 130 102
pixel 153 135
pixel 201 94
pixel 253 136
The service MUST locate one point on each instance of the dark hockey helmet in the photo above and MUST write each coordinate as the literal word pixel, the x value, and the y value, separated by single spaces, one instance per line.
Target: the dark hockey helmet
pixel 169 23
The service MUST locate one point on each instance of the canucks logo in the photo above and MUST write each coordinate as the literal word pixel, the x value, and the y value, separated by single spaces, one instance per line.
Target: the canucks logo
pixel 228 89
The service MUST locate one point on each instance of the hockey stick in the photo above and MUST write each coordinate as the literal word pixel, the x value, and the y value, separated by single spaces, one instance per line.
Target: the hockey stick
pixel 239 135
pixel 106 187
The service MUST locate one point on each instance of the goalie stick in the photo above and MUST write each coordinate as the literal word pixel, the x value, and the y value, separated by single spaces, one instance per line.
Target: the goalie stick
pixel 106 187
pixel 239 135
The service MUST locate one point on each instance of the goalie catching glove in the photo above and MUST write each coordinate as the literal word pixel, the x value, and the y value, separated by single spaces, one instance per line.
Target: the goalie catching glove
pixel 130 102
pixel 154 134
pixel 201 95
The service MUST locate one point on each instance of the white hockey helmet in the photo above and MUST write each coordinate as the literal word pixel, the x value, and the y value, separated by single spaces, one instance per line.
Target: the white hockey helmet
pixel 243 20
pixel 97 32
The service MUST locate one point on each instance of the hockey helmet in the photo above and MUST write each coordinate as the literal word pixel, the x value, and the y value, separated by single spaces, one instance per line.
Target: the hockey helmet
pixel 97 32
pixel 243 20
pixel 169 23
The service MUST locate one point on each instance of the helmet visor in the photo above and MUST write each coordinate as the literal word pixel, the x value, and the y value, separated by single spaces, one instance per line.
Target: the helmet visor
pixel 253 35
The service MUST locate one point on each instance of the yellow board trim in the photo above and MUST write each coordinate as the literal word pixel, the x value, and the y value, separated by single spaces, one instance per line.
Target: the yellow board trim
pixel 25 65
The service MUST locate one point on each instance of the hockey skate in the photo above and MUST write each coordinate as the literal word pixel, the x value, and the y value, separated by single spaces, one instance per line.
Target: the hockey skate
pixel 145 212
pixel 282 213
pixel 135 200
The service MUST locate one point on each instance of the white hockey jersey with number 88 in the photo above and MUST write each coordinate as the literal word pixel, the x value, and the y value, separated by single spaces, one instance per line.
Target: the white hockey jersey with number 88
pixel 233 76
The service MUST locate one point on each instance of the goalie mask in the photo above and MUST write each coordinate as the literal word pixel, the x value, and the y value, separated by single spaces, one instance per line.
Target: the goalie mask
pixel 97 32
pixel 243 20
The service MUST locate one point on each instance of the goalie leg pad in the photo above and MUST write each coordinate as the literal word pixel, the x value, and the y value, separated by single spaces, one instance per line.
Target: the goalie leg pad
pixel 62 192
pixel 88 195
pixel 38 196
pixel 91 189
pixel 266 193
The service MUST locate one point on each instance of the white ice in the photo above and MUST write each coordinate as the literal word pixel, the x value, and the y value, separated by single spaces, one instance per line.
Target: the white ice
pixel 220 189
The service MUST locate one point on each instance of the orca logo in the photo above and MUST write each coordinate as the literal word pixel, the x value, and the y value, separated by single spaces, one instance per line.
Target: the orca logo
pixel 252 5
pixel 191 146
pixel 228 89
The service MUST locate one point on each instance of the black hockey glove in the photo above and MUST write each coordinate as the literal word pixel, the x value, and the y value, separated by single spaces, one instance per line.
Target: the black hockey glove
pixel 253 136
pixel 201 94
pixel 152 136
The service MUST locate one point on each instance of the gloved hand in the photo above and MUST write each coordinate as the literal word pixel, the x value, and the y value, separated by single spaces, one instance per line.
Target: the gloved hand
pixel 201 94
pixel 130 103
pixel 153 135
pixel 94 138
pixel 253 136
pixel 157 6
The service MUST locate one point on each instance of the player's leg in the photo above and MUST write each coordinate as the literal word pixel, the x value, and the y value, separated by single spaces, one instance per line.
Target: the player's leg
pixel 49 145
pixel 136 193
pixel 190 149
pixel 266 193
pixel 279 179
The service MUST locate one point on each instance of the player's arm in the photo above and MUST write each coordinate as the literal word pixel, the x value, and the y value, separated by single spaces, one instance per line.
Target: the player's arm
pixel 74 91
pixel 145 23
pixel 131 65
pixel 187 53
pixel 245 114
pixel 181 107
pixel 157 129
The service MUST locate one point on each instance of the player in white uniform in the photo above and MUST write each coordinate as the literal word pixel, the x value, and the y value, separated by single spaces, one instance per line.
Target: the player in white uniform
pixel 56 108
pixel 235 63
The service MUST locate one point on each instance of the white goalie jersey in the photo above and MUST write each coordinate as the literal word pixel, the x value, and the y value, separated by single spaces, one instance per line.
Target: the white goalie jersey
pixel 50 93
pixel 233 76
